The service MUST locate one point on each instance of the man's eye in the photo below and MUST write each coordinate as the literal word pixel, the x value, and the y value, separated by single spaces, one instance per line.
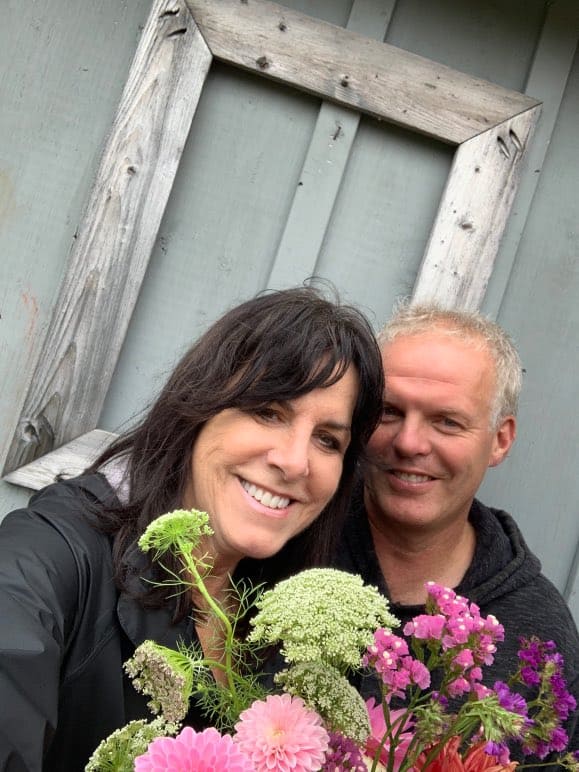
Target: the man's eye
pixel 449 423
pixel 390 413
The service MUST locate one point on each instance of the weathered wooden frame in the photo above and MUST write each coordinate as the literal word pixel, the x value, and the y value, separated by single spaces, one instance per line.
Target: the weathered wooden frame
pixel 490 126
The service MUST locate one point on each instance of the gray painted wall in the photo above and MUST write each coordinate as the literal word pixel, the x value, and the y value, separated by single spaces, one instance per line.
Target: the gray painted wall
pixel 64 67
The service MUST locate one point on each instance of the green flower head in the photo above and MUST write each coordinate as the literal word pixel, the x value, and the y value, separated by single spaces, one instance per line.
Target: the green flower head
pixel 118 751
pixel 177 531
pixel 498 724
pixel 329 693
pixel 165 675
pixel 321 614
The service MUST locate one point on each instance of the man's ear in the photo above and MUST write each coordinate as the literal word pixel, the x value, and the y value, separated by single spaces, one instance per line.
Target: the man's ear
pixel 503 438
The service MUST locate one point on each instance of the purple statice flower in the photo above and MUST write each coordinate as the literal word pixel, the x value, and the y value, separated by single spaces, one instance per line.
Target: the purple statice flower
pixel 343 754
pixel 531 652
pixel 529 676
pixel 509 700
pixel 440 698
pixel 563 702
pixel 498 750
pixel 558 739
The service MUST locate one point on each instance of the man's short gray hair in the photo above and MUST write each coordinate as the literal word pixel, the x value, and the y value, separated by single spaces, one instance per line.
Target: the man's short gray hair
pixel 472 326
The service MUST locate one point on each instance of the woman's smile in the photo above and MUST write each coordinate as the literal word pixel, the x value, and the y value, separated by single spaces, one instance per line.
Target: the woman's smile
pixel 265 497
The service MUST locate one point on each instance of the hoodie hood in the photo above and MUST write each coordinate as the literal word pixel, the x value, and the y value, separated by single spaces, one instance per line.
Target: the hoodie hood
pixel 502 562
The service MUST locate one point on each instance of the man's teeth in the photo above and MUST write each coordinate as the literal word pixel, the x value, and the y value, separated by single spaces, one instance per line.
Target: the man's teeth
pixel 265 497
pixel 412 477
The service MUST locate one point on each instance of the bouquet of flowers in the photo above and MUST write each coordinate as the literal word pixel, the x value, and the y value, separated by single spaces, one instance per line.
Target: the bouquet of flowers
pixel 327 626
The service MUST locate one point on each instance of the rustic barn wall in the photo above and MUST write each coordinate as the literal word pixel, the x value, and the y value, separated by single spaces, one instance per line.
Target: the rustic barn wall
pixel 63 68
pixel 539 483
pixel 251 145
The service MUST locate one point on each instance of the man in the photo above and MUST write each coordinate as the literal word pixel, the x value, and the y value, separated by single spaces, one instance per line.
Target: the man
pixel 452 384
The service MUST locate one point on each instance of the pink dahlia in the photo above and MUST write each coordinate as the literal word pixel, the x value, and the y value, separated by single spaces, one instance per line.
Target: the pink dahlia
pixel 378 730
pixel 193 751
pixel 281 733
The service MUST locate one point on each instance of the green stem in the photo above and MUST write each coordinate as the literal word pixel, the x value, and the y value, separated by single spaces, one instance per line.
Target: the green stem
pixel 218 612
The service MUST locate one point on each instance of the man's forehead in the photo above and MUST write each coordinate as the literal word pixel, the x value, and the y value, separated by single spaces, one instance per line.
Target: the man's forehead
pixel 436 357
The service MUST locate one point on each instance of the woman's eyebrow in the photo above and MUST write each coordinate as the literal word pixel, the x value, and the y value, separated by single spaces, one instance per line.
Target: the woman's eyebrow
pixel 338 426
pixel 286 404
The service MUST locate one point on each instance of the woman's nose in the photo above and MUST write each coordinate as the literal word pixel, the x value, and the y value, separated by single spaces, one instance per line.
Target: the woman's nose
pixel 290 455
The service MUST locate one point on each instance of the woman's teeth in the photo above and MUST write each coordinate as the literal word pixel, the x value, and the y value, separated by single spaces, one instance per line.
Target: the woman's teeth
pixel 265 497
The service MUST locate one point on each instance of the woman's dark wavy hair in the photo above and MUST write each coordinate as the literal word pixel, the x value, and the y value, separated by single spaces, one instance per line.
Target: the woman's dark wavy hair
pixel 278 346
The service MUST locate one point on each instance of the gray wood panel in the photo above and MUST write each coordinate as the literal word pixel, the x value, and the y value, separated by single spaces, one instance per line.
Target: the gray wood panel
pixel 383 215
pixel 539 483
pixel 63 70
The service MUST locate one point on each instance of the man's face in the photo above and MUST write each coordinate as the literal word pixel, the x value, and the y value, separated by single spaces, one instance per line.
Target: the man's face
pixel 434 444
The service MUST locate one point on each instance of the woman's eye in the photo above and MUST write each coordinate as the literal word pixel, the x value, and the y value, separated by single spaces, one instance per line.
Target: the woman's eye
pixel 329 442
pixel 268 414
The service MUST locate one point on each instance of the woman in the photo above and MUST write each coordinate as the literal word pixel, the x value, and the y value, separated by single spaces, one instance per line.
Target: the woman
pixel 261 425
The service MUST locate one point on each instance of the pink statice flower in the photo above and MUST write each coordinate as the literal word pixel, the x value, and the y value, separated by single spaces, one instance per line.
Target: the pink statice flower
pixel 458 686
pixel 193 751
pixel 399 720
pixel 425 626
pixel 281 733
pixel 388 655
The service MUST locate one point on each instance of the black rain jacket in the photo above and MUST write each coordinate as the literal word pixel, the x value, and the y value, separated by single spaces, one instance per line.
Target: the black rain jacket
pixel 65 632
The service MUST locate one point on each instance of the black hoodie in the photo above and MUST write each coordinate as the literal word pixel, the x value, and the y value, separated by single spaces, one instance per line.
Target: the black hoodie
pixel 504 579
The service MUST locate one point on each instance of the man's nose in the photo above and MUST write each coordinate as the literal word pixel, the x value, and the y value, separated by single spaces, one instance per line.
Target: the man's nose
pixel 291 455
pixel 412 438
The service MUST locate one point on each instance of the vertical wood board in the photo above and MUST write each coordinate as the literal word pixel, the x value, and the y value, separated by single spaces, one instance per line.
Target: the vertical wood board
pixel 539 483
pixel 473 214
pixel 323 169
pixel 552 62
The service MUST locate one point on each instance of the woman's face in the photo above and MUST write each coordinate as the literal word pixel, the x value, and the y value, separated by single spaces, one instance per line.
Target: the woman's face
pixel 265 475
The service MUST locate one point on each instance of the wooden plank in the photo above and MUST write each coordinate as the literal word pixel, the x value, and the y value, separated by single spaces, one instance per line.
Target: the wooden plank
pixel 472 215
pixel 69 460
pixel 552 63
pixel 323 168
pixel 112 248
pixel 353 70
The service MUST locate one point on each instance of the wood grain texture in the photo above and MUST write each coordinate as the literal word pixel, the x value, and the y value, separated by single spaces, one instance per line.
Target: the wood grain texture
pixel 323 169
pixel 67 461
pixel 353 70
pixel 114 241
pixel 552 63
pixel 473 213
